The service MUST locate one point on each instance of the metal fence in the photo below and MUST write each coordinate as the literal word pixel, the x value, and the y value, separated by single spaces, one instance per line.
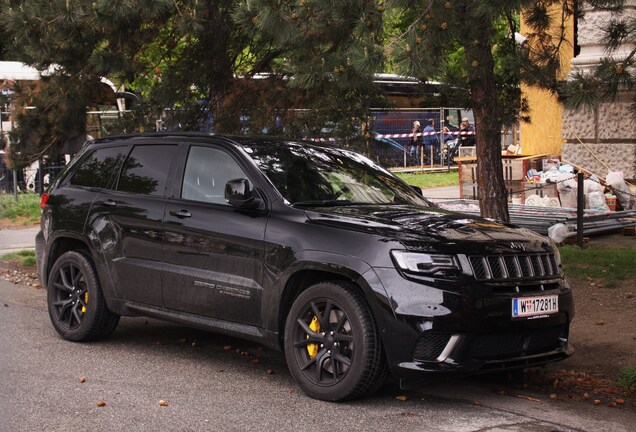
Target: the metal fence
pixel 35 178
pixel 392 150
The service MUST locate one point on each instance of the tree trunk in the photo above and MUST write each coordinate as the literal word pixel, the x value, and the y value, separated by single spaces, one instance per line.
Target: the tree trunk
pixel 493 199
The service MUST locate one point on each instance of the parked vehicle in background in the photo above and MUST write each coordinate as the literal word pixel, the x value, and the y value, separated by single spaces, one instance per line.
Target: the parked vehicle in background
pixel 309 249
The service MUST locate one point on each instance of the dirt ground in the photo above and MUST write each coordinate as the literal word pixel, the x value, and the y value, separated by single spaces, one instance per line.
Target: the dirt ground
pixel 603 334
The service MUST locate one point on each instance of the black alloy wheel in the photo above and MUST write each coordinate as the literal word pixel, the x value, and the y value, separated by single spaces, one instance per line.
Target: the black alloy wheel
pixel 75 301
pixel 332 345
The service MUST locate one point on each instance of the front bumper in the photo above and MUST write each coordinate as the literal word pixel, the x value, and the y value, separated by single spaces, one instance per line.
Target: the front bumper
pixel 444 328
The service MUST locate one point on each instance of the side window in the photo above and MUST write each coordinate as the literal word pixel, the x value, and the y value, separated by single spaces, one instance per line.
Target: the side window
pixel 95 170
pixel 206 173
pixel 146 169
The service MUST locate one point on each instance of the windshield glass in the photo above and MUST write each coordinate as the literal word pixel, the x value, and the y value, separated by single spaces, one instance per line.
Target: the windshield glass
pixel 311 175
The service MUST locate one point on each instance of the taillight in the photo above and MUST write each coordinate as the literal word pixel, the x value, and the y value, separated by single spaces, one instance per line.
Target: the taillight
pixel 43 200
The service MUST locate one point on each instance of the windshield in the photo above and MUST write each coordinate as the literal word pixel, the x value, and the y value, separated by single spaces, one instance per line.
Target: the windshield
pixel 311 175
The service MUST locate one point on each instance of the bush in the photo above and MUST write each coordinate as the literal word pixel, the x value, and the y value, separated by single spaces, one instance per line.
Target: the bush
pixel 628 377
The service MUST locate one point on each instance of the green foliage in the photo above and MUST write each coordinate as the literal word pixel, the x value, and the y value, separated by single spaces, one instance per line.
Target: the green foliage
pixel 470 45
pixel 430 180
pixel 78 42
pixel 330 50
pixel 25 209
pixel 608 265
pixel 627 378
pixel 602 83
pixel 23 257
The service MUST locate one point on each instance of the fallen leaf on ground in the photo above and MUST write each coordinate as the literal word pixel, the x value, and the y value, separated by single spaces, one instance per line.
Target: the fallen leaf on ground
pixel 619 401
pixel 553 396
pixel 478 403
pixel 101 403
pixel 402 398
pixel 597 402
pixel 227 347
pixel 83 379
pixel 255 361
pixel 530 398
pixel 586 396
pixel 600 322
pixel 612 404
pixel 163 403
pixel 269 372
pixel 182 340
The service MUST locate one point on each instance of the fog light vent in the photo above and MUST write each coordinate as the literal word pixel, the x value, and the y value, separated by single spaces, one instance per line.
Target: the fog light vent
pixel 430 346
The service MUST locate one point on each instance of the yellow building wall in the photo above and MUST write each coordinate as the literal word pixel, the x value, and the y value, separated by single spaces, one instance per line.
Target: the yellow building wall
pixel 543 134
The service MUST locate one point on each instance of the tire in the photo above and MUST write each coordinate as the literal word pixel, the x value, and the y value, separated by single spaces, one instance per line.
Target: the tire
pixel 76 304
pixel 332 344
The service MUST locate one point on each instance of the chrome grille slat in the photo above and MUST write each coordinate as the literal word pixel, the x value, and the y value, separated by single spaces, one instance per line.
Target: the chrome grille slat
pixel 508 267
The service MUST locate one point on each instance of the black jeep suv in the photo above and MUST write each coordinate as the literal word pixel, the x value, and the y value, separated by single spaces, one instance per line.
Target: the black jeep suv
pixel 314 250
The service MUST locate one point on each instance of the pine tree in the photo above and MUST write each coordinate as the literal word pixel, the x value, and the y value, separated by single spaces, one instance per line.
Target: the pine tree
pixel 327 54
pixel 491 67
pixel 614 74
pixel 81 41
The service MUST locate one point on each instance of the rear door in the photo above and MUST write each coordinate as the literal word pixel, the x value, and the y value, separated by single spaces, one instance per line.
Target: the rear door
pixel 127 219
pixel 213 252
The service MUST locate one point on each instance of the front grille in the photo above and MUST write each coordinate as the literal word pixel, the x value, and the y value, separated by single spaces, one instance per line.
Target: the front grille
pixel 430 346
pixel 492 346
pixel 526 288
pixel 504 267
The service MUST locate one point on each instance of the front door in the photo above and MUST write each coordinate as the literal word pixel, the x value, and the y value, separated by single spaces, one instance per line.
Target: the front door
pixel 213 252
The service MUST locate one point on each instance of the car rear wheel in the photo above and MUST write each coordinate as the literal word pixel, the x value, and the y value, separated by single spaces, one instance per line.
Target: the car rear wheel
pixel 332 345
pixel 76 304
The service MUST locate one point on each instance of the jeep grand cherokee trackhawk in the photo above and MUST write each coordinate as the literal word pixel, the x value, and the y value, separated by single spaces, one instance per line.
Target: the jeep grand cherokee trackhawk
pixel 313 250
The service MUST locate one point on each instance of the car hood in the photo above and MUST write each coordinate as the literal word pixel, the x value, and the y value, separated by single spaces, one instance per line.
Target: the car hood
pixel 418 227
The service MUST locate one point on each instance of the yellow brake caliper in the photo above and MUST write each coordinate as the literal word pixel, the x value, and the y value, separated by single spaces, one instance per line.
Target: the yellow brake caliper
pixel 314 325
pixel 85 301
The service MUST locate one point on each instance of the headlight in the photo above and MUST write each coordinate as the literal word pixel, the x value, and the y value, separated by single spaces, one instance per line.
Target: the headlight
pixel 423 263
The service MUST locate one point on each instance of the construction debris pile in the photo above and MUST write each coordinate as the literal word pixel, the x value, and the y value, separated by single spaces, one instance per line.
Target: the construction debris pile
pixel 558 222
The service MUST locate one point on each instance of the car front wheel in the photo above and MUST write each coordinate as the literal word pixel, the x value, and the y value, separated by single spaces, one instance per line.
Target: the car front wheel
pixel 332 345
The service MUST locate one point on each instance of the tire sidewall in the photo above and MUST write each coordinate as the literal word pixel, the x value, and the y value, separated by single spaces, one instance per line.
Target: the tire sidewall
pixel 84 330
pixel 343 299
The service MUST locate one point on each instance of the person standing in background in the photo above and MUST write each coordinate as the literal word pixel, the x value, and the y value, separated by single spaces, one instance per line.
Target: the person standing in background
pixel 466 133
pixel 431 140
pixel 415 143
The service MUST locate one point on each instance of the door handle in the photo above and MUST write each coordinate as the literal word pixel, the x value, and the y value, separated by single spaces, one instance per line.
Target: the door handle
pixel 109 203
pixel 181 214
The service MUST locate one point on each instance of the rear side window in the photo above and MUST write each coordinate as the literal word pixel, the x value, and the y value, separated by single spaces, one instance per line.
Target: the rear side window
pixel 95 170
pixel 146 169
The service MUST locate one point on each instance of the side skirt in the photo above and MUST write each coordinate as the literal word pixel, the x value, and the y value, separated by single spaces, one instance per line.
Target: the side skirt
pixel 213 325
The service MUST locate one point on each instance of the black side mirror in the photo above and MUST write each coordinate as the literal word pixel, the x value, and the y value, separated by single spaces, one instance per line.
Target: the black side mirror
pixel 417 189
pixel 238 193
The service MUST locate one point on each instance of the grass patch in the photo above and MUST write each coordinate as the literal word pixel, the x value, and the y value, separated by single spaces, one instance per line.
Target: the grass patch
pixel 609 265
pixel 23 257
pixel 628 377
pixel 25 209
pixel 430 180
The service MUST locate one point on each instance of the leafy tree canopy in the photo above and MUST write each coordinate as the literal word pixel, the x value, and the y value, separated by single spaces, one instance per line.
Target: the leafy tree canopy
pixel 215 63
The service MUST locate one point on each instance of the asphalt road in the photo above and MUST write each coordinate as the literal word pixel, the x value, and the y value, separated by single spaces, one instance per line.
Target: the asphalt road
pixel 210 388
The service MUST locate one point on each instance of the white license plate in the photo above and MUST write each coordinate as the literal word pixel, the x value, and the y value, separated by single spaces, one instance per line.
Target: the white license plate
pixel 534 306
